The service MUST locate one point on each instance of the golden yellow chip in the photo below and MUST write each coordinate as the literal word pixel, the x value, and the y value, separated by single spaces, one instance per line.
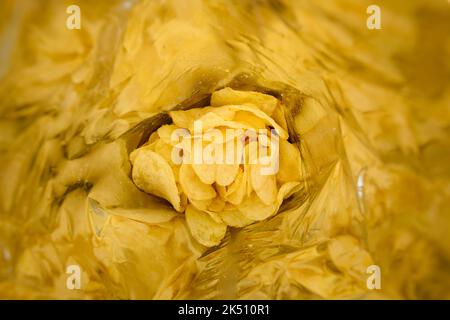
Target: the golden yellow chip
pixel 236 191
pixel 205 172
pixel 166 133
pixel 222 191
pixel 286 190
pixel 226 173
pixel 265 186
pixel 186 118
pixel 152 173
pixel 229 96
pixel 163 149
pixel 254 209
pixel 192 186
pixel 202 205
pixel 249 119
pixel 222 174
pixel 260 114
pixel 203 227
pixel 217 205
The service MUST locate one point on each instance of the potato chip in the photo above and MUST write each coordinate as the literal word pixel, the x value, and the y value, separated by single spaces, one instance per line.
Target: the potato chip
pixel 202 205
pixel 165 132
pixel 192 186
pixel 166 151
pixel 248 157
pixel 260 114
pixel 223 112
pixel 153 137
pixel 223 174
pixel 212 120
pixel 153 174
pixel 254 209
pixel 163 149
pixel 222 191
pixel 203 227
pixel 236 191
pixel 265 186
pixel 217 205
pixel 249 119
pixel 205 172
pixel 235 218
pixel 226 173
pixel 248 182
pixel 229 96
pixel 286 190
pixel 215 216
pixel 185 118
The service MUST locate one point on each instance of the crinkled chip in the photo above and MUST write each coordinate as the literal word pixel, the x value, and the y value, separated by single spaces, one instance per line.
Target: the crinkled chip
pixel 201 204
pixel 206 172
pixel 286 190
pixel 265 186
pixel 222 174
pixel 228 96
pixel 203 227
pixel 236 191
pixel 249 119
pixel 186 118
pixel 217 205
pixel 253 208
pixel 235 218
pixel 167 134
pixel 226 173
pixel 260 114
pixel 153 174
pixel 192 185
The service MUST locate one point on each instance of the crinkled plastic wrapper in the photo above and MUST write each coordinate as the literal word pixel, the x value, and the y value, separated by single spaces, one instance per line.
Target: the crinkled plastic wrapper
pixel 368 110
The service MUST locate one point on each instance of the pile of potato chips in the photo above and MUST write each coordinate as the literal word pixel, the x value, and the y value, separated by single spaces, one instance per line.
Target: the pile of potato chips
pixel 363 123
pixel 212 192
